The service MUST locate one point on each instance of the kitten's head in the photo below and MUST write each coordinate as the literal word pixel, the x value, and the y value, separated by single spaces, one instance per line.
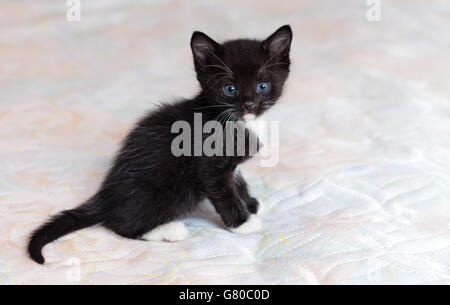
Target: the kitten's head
pixel 244 76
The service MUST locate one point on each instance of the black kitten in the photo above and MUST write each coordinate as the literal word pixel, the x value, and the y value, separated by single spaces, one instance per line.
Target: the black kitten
pixel 148 186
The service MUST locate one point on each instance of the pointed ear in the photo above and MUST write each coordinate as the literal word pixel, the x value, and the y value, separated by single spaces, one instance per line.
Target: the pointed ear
pixel 203 46
pixel 279 43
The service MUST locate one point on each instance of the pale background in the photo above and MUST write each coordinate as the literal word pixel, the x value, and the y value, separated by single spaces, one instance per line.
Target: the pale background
pixel 362 190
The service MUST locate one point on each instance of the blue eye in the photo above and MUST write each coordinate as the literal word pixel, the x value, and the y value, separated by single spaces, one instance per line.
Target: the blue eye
pixel 229 90
pixel 262 87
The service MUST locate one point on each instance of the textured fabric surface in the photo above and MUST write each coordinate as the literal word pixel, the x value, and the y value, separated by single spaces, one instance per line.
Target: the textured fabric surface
pixel 362 190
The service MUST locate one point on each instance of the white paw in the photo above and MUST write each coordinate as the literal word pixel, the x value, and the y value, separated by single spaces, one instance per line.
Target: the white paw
pixel 172 231
pixel 261 209
pixel 253 224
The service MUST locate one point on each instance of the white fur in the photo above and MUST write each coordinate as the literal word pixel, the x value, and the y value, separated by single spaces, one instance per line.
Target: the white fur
pixel 253 224
pixel 172 231
pixel 261 209
pixel 249 117
pixel 253 123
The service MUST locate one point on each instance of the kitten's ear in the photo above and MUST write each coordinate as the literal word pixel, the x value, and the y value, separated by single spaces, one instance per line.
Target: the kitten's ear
pixel 203 46
pixel 279 43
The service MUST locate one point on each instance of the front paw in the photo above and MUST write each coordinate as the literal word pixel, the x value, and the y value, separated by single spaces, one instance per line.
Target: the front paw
pixel 252 205
pixel 253 224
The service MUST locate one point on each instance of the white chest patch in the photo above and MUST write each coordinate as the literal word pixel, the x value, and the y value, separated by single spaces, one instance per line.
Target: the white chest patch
pixel 256 125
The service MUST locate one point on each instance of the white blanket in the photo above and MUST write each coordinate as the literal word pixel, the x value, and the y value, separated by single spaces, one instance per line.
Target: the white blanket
pixel 362 190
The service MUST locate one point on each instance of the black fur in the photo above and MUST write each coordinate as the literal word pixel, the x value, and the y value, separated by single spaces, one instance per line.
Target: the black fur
pixel 147 185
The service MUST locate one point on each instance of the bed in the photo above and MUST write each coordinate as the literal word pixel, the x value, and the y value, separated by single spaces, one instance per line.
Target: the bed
pixel 361 192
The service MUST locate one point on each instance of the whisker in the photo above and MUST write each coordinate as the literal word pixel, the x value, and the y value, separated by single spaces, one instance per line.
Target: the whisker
pixel 212 87
pixel 217 74
pixel 219 117
pixel 224 65
pixel 275 64
pixel 223 102
pixel 216 66
pixel 212 106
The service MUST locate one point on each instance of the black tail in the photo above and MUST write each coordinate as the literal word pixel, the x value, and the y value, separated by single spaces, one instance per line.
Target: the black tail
pixel 64 223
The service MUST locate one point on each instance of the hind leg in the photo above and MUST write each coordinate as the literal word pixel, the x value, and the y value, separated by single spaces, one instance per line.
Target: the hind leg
pixel 171 231
pixel 149 217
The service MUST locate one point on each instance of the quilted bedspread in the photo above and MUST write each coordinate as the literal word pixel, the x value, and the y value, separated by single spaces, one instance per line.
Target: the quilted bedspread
pixel 361 192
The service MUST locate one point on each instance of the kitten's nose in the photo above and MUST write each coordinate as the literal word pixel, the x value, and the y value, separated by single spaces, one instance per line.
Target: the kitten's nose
pixel 250 106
